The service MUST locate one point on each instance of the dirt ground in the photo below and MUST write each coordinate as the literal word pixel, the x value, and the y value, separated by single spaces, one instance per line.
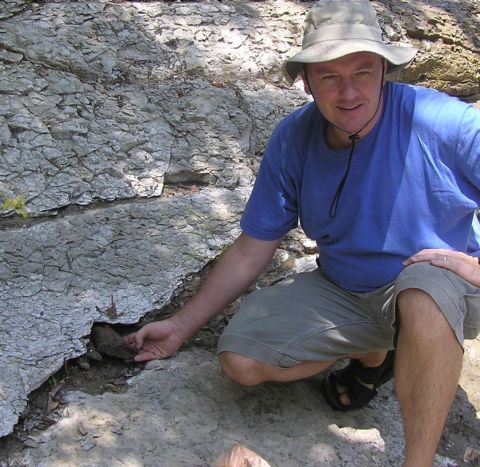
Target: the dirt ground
pixel 110 375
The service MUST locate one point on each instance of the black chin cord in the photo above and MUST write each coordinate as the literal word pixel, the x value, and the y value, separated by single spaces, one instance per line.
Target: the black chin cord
pixel 353 137
pixel 332 212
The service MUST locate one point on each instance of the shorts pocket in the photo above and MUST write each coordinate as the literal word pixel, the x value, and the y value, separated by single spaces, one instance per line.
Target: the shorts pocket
pixel 471 324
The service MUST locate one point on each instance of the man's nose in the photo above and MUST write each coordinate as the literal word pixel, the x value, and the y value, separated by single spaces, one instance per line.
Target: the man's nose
pixel 347 88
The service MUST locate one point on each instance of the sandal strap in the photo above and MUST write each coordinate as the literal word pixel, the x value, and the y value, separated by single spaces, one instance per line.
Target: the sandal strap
pixel 353 378
pixel 358 394
pixel 377 375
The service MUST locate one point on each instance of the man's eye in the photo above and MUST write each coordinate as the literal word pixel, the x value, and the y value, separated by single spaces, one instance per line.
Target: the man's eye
pixel 329 77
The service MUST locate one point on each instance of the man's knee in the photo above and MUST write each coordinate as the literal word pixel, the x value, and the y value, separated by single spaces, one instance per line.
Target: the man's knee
pixel 242 370
pixel 418 311
pixel 414 298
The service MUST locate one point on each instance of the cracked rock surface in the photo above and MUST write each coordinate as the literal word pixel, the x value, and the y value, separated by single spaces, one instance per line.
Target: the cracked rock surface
pixel 134 132
pixel 56 277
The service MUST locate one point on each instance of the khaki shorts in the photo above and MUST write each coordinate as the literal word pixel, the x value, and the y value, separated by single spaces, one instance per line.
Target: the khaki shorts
pixel 307 317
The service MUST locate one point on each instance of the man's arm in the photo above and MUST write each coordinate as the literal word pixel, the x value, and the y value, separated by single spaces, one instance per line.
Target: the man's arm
pixel 235 271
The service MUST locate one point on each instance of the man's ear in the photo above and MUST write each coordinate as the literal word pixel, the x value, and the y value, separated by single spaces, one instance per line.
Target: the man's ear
pixel 306 86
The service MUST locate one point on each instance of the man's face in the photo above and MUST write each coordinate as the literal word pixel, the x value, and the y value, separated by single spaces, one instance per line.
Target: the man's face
pixel 347 92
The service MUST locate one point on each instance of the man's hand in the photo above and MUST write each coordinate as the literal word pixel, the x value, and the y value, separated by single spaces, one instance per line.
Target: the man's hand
pixel 465 266
pixel 155 340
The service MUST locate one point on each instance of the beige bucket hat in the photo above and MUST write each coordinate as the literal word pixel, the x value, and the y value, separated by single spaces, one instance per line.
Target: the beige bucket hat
pixel 334 28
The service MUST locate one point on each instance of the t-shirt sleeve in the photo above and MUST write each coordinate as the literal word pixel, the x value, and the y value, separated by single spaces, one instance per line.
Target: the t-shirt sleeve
pixel 271 210
pixel 468 147
pixel 452 128
pixel 468 159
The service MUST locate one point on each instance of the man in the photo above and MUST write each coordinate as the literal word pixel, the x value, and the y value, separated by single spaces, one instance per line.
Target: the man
pixel 386 178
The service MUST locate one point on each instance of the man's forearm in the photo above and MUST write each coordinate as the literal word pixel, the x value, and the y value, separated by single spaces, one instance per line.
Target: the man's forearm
pixel 234 272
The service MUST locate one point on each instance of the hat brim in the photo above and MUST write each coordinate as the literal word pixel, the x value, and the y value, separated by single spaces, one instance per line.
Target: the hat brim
pixel 396 56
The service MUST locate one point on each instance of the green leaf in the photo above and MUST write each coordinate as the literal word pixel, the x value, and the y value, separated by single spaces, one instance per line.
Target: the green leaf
pixel 16 204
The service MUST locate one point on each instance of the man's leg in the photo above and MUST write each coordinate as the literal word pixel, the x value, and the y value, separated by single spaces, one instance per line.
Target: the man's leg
pixel 298 327
pixel 427 370
pixel 249 372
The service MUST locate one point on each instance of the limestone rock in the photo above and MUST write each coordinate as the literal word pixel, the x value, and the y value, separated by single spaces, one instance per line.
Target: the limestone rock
pixel 447 37
pixel 57 278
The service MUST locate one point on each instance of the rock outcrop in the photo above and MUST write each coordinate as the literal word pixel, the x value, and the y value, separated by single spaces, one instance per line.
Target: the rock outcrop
pixel 134 131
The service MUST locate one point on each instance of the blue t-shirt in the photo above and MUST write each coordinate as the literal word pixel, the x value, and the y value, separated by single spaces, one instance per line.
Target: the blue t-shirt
pixel 414 183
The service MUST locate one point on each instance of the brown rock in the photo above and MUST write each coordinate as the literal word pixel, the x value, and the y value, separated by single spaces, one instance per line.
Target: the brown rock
pixel 108 342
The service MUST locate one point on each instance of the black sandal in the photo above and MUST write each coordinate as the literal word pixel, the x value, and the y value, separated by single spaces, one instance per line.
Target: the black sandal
pixel 354 377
